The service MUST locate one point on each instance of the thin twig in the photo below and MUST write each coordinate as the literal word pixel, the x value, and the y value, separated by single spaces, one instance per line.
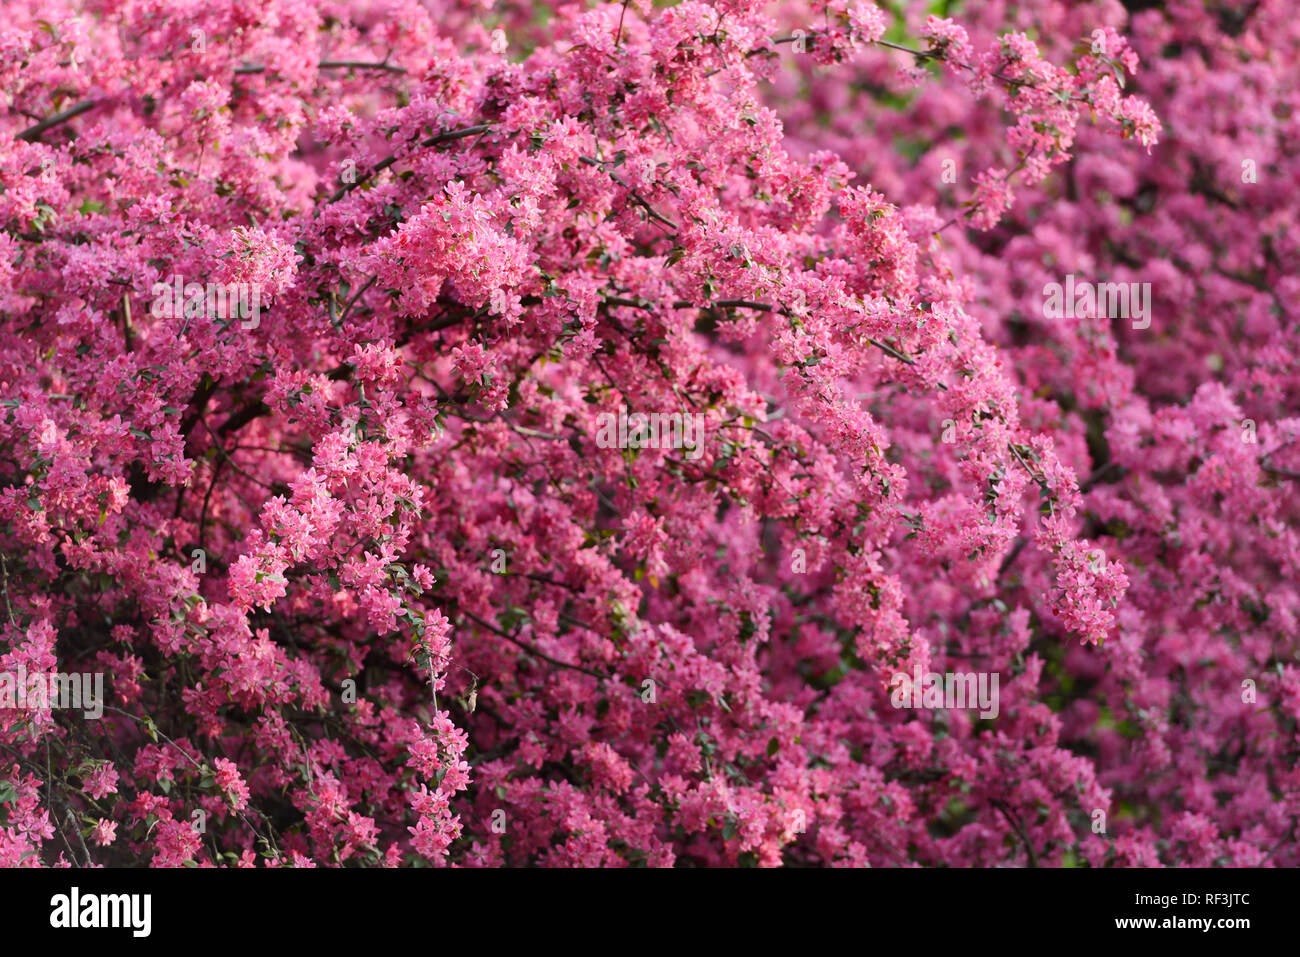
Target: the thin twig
pixel 528 648
pixel 252 68
pixel 387 161
pixel 1033 858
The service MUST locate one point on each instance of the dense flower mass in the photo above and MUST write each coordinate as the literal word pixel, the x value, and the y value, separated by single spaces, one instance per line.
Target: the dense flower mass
pixel 487 432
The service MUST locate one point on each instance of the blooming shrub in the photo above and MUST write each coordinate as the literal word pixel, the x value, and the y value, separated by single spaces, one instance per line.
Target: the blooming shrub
pixel 365 586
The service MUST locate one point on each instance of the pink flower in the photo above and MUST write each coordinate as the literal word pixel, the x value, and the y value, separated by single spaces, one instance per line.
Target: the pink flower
pixel 104 832
pixel 102 781
pixel 231 783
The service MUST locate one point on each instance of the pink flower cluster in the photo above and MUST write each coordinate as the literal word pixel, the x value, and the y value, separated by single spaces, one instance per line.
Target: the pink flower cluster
pixel 365 587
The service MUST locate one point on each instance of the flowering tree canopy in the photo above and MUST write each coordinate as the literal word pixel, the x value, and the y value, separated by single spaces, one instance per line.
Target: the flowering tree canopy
pixel 479 433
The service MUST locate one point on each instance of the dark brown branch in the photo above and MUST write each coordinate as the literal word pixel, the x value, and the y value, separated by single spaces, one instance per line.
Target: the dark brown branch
pixel 632 194
pixel 33 133
pixel 388 161
pixel 1033 858
pixel 252 68
pixel 529 648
